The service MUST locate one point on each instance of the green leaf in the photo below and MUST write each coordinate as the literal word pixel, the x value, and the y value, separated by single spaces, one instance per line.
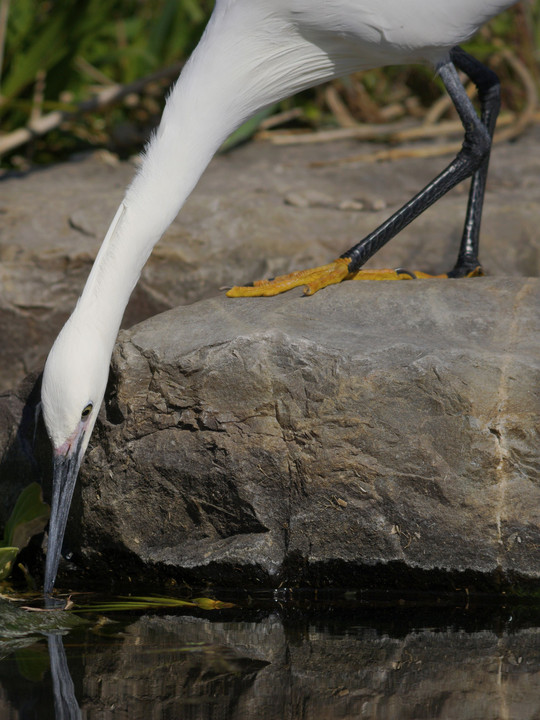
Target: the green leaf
pixel 7 556
pixel 29 517
pixel 246 131
pixel 134 603
pixel 151 602
pixel 32 662
pixel 209 604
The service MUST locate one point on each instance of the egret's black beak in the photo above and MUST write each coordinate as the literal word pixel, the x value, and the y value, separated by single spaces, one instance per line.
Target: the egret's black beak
pixel 65 470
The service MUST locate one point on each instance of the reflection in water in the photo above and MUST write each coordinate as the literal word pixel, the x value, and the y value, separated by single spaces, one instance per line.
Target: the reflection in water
pixel 65 702
pixel 284 664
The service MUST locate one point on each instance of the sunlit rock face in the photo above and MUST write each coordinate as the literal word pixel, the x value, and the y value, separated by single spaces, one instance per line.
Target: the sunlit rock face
pixel 374 433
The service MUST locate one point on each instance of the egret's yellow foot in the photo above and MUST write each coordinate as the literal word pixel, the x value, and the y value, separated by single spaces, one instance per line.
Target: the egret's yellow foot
pixel 402 274
pixel 335 272
pixel 314 279
pixel 388 274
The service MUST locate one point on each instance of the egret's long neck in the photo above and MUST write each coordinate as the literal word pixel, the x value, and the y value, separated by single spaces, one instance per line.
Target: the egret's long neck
pixel 187 138
pixel 242 63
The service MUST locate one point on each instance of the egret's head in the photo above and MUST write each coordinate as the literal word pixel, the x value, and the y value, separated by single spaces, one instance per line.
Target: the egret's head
pixel 73 386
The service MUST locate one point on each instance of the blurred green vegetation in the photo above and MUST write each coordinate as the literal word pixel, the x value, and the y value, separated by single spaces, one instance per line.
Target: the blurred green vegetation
pixel 28 518
pixel 55 54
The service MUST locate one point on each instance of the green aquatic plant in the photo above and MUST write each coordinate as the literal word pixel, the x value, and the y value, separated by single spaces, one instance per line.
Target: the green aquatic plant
pixel 151 602
pixel 29 517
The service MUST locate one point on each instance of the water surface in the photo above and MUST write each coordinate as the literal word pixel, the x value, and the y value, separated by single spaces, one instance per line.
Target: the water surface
pixel 282 656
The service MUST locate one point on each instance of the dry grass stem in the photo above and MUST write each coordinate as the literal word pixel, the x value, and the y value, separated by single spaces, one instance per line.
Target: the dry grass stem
pixel 107 96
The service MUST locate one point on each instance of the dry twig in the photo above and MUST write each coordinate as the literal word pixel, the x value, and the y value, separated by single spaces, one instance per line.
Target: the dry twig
pixel 512 124
pixel 109 95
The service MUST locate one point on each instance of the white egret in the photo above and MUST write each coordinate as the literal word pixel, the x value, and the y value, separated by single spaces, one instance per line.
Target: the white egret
pixel 254 53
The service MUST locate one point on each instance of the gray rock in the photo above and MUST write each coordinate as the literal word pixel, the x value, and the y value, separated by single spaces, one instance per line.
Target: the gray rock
pixel 374 433
pixel 239 225
pixel 373 430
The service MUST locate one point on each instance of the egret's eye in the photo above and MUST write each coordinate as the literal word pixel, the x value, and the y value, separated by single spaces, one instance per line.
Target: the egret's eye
pixel 86 412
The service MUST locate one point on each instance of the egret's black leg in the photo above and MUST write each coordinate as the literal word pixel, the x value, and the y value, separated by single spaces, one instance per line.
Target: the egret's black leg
pixel 472 160
pixel 489 95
